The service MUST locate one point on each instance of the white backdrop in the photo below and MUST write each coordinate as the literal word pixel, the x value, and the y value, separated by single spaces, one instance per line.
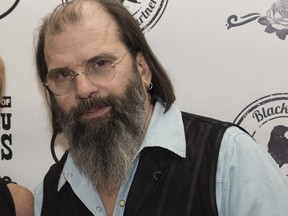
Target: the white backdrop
pixel 218 72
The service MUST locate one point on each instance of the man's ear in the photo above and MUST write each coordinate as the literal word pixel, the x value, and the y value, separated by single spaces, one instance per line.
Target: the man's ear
pixel 143 68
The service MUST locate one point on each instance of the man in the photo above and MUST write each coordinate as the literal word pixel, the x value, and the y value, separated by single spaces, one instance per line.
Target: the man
pixel 15 200
pixel 132 152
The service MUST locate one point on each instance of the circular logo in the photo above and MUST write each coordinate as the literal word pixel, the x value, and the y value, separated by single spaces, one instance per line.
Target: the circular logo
pixel 6 7
pixel 266 121
pixel 146 12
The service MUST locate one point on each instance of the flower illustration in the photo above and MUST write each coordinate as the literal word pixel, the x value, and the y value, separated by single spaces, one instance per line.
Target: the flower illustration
pixel 276 19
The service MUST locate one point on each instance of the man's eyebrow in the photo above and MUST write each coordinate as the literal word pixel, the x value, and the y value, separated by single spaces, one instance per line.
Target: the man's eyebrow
pixel 100 56
pixel 59 69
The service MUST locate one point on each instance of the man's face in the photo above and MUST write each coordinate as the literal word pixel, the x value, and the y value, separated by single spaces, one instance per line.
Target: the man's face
pixel 78 44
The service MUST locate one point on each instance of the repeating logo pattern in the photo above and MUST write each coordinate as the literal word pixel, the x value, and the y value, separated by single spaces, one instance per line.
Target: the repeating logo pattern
pixel 275 20
pixel 146 12
pixel 266 119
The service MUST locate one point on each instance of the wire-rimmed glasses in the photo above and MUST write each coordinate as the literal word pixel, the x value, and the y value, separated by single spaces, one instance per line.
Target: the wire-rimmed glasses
pixel 99 70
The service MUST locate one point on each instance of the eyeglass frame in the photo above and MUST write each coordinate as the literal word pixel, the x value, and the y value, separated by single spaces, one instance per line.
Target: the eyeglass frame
pixel 117 61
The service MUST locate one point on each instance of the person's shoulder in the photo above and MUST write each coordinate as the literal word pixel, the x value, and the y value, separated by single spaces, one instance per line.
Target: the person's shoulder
pixel 23 199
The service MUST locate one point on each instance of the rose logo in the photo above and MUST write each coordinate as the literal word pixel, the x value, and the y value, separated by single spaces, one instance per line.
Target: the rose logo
pixel 276 19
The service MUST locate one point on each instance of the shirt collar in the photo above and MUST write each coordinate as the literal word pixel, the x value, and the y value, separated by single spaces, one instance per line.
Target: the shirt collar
pixel 166 130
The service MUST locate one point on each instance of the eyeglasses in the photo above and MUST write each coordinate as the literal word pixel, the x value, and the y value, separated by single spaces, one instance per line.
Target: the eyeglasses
pixel 99 70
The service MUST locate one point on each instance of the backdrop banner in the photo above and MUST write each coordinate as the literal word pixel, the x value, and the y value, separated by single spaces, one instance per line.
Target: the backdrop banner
pixel 227 60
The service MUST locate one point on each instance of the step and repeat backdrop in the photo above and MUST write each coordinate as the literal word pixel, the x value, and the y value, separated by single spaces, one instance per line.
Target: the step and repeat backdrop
pixel 226 58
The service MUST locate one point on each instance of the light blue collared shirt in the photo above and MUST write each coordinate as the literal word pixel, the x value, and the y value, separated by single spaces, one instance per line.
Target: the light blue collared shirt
pixel 248 181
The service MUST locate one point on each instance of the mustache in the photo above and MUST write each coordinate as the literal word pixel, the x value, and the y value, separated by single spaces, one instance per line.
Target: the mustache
pixel 92 103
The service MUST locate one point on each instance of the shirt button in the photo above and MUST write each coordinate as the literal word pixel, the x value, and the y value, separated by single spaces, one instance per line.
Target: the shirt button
pixel 122 203
pixel 98 209
pixel 69 175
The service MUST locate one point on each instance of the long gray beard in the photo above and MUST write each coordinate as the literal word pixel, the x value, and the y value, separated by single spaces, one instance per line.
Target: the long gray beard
pixel 104 148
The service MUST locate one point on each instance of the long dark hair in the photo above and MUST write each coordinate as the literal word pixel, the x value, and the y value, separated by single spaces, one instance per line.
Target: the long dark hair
pixel 70 13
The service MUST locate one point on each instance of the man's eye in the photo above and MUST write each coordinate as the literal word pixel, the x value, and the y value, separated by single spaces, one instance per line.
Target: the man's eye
pixel 59 75
pixel 101 63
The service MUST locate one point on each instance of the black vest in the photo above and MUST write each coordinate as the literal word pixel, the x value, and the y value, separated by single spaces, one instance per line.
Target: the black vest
pixel 164 184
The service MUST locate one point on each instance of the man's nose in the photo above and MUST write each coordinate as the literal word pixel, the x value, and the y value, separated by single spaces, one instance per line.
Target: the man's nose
pixel 84 86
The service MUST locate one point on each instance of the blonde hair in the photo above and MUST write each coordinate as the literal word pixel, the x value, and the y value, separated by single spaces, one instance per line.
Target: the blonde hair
pixel 2 76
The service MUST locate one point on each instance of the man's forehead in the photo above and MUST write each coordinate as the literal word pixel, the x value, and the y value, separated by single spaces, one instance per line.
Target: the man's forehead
pixel 97 18
pixel 94 11
pixel 94 32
